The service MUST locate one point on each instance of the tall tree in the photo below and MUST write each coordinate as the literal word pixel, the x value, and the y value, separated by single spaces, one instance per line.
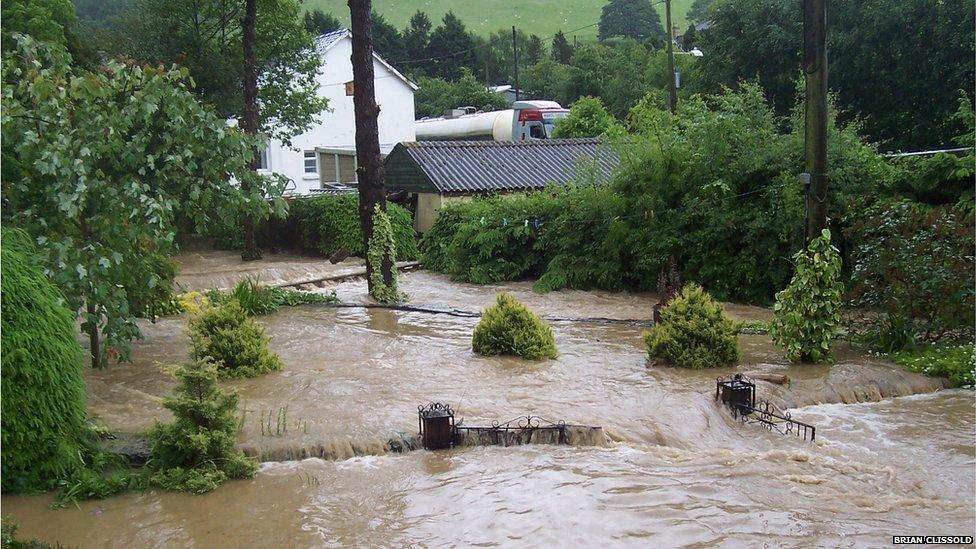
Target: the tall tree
pixel 46 20
pixel 451 47
pixel 561 50
pixel 415 40
pixel 631 18
pixel 370 169
pixel 104 161
pixel 534 50
pixel 249 120
pixel 698 11
pixel 318 22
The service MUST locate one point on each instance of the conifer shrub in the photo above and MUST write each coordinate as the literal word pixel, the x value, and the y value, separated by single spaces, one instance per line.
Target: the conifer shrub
pixel 237 346
pixel 509 328
pixel 382 245
pixel 44 431
pixel 694 332
pixel 196 452
pixel 808 311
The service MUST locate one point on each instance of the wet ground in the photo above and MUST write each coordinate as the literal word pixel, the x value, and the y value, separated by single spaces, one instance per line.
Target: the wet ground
pixel 679 471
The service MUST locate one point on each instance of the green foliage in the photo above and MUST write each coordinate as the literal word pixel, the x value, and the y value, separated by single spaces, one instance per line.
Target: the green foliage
pixel 196 452
pixel 382 253
pixel 450 48
pixel 257 300
pixel 912 264
pixel 694 332
pixel 437 95
pixel 587 118
pixel 326 224
pixel 47 20
pixel 318 22
pixel 808 311
pixel 147 301
pixel 234 343
pixel 205 37
pixel 43 391
pixel 630 18
pixel 105 160
pixel 928 48
pixel 957 363
pixel 510 328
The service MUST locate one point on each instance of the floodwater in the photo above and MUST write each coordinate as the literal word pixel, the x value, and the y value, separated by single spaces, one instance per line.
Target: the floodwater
pixel 675 469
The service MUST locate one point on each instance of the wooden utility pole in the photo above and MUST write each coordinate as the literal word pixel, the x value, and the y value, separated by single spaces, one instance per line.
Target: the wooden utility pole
pixel 672 89
pixel 370 169
pixel 815 122
pixel 249 122
pixel 515 57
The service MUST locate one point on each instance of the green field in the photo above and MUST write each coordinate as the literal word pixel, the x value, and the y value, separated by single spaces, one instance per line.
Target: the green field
pixel 542 17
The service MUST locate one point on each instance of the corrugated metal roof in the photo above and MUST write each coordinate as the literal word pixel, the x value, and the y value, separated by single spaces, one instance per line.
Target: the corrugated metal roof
pixel 486 166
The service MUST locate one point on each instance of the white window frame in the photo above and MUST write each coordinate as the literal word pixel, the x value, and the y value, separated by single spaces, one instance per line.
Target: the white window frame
pixel 264 160
pixel 305 158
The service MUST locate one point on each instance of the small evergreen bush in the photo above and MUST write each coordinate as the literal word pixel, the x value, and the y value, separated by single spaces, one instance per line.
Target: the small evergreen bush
pixel 694 332
pixel 382 245
pixel 44 432
pixel 196 452
pixel 510 328
pixel 235 343
pixel 807 312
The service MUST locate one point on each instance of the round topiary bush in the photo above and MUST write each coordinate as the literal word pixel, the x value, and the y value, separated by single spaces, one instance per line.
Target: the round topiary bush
pixel 235 343
pixel 43 396
pixel 510 328
pixel 694 332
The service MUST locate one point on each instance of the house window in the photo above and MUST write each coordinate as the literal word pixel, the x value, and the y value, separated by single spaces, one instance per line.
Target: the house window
pixel 311 163
pixel 339 168
pixel 263 160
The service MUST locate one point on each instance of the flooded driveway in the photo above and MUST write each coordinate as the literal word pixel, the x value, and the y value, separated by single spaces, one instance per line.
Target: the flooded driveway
pixel 678 469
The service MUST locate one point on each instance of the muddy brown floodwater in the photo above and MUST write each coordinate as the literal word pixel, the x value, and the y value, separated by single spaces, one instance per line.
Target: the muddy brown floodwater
pixel 677 469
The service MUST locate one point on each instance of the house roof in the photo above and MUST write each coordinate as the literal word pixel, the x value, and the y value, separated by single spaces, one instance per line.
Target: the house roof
pixel 469 167
pixel 325 42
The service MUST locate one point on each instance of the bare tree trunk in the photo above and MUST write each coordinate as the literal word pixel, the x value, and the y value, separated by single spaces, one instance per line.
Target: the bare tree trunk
pixel 95 349
pixel 249 122
pixel 370 170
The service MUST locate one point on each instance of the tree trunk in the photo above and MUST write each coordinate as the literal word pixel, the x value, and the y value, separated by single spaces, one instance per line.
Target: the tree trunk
pixel 249 121
pixel 370 170
pixel 93 342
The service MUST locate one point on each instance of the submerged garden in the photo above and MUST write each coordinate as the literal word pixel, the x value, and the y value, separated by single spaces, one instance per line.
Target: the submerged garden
pixel 144 406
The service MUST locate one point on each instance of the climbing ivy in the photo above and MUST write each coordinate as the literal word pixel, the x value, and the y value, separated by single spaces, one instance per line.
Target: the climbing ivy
pixel 381 245
pixel 808 311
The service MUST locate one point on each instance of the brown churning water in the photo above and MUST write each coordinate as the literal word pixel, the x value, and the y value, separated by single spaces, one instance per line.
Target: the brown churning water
pixel 669 467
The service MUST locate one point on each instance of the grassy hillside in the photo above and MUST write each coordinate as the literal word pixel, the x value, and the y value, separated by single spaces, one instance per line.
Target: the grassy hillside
pixel 542 17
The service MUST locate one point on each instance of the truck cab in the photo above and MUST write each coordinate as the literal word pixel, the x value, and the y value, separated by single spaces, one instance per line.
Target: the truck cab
pixel 535 119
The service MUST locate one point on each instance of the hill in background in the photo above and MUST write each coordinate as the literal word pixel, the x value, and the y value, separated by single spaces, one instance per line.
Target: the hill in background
pixel 541 17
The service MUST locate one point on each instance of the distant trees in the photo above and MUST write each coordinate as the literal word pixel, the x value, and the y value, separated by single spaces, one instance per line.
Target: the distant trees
pixel 630 18
pixel 450 48
pixel 561 50
pixel 895 65
pixel 437 95
pixel 416 37
pixel 318 22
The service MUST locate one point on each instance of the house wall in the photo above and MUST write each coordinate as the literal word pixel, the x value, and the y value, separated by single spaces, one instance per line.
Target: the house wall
pixel 428 204
pixel 337 127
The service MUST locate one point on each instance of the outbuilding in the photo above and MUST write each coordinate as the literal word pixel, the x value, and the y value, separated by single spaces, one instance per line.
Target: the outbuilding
pixel 433 173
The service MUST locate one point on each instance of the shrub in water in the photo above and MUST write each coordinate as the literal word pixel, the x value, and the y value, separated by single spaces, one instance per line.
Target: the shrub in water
pixel 261 300
pixel 327 224
pixel 196 452
pixel 510 328
pixel 235 343
pixel 382 245
pixel 807 312
pixel 957 363
pixel 694 332
pixel 43 392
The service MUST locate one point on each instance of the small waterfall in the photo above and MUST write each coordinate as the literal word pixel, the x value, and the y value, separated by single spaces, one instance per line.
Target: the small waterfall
pixel 334 450
pixel 573 435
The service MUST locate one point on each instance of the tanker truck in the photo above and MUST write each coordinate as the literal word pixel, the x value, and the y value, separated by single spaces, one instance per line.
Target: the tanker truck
pixel 526 120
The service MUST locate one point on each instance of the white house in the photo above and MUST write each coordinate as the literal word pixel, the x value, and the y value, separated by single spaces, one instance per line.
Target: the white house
pixel 326 153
